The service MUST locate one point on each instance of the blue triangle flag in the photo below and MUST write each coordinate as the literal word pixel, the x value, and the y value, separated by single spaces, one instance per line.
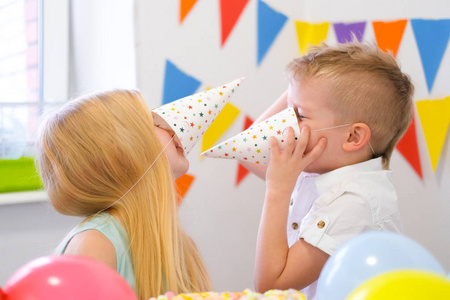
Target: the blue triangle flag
pixel 270 23
pixel 177 84
pixel 432 38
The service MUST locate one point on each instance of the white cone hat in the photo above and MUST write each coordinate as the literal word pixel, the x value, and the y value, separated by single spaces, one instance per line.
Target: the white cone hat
pixel 191 116
pixel 253 144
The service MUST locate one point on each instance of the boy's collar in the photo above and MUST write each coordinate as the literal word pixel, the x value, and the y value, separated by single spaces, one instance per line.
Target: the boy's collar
pixel 326 180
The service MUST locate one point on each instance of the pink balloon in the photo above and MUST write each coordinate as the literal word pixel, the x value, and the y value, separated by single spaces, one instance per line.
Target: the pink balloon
pixel 66 277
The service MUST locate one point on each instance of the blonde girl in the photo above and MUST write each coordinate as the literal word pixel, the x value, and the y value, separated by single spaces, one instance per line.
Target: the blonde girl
pixel 102 157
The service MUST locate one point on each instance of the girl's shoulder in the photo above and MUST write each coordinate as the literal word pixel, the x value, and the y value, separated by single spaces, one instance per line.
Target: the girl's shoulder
pixel 94 244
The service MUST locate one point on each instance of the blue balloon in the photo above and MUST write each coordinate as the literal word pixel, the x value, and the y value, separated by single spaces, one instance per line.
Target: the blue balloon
pixel 370 254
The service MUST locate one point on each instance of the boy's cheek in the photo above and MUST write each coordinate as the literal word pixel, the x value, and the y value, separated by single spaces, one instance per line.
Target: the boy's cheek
pixel 313 140
pixel 310 145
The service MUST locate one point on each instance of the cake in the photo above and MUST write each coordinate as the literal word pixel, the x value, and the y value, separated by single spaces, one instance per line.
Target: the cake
pixel 247 294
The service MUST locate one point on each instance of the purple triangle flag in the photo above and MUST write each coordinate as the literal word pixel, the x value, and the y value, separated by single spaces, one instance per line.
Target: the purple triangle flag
pixel 345 31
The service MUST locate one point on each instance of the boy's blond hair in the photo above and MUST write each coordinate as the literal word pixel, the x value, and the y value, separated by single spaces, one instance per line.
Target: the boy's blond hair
pixel 368 87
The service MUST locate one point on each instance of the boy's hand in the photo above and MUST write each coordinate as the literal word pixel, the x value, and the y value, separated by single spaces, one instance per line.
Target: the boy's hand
pixel 286 165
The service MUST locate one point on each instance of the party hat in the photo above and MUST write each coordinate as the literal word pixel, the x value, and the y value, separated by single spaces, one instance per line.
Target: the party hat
pixel 253 144
pixel 191 116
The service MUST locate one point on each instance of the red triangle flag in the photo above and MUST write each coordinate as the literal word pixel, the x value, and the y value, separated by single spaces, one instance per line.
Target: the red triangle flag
pixel 183 184
pixel 242 172
pixel 185 8
pixel 407 146
pixel 248 122
pixel 230 11
pixel 389 34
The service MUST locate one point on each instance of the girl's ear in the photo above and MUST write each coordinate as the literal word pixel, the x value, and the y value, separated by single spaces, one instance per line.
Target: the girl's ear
pixel 358 136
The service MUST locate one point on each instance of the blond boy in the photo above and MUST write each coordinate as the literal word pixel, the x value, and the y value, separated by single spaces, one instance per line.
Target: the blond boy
pixel 353 104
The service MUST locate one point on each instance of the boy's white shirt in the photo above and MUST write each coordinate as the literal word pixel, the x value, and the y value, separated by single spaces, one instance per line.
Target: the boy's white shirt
pixel 302 198
pixel 331 208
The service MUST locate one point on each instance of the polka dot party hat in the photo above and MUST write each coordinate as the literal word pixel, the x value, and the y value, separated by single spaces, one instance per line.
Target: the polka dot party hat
pixel 253 144
pixel 191 116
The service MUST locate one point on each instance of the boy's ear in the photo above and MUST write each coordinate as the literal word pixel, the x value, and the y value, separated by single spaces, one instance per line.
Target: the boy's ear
pixel 358 136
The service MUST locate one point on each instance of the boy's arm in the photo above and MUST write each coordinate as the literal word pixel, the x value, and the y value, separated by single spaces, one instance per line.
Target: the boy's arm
pixel 277 265
pixel 279 105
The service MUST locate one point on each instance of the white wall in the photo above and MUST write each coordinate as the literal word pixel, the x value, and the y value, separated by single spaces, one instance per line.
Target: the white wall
pixel 223 219
pixel 102 45
pixel 28 231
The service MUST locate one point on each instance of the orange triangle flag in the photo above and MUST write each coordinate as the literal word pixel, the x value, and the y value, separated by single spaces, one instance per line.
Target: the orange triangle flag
pixel 183 184
pixel 389 34
pixel 242 172
pixel 230 11
pixel 407 146
pixel 185 8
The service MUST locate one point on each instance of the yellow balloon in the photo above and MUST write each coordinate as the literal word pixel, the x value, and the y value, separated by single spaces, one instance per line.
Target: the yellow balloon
pixel 403 285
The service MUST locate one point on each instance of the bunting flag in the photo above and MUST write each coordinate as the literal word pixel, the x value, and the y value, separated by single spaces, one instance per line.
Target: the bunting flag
pixel 177 84
pixel 434 116
pixel 242 172
pixel 185 8
pixel 432 38
pixel 389 35
pixel 270 22
pixel 183 184
pixel 230 11
pixel 310 34
pixel 223 121
pixel 409 149
pixel 346 31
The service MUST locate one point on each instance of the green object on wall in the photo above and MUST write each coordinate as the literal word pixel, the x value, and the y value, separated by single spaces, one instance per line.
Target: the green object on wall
pixel 18 175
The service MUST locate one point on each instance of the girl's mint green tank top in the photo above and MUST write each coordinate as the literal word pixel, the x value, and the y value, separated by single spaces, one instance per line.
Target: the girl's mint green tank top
pixel 110 228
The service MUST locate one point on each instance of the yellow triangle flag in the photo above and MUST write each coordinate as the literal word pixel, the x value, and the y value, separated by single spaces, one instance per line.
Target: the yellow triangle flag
pixel 310 34
pixel 434 116
pixel 224 120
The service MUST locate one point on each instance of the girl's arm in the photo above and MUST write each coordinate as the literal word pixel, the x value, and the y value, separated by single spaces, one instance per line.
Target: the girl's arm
pixel 92 243
pixel 277 265
pixel 279 105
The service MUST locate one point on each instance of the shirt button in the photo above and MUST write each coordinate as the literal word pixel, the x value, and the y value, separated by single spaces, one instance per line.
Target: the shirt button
pixel 292 202
pixel 294 225
pixel 321 224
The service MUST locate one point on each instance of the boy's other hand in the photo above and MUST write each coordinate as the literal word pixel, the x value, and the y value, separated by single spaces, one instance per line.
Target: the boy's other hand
pixel 286 165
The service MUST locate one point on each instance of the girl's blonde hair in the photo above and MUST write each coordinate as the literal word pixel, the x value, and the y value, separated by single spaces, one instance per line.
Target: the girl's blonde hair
pixel 368 86
pixel 90 153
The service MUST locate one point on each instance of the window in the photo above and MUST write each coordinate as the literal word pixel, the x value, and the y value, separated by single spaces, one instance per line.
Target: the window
pixel 33 77
pixel 19 76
